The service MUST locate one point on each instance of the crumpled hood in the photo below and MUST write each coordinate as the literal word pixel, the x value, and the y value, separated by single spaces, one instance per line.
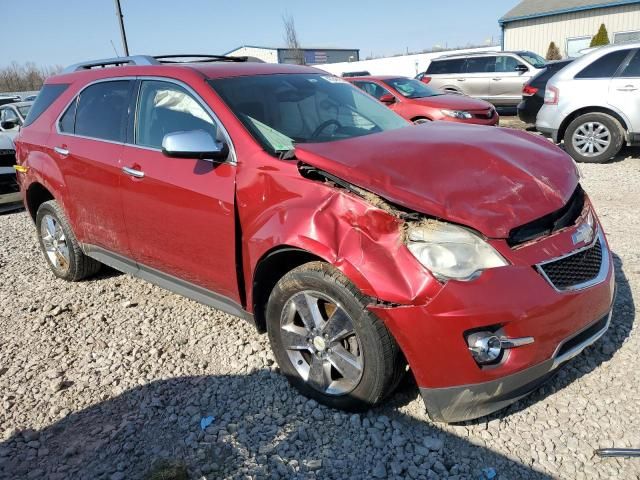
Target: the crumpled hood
pixel 491 179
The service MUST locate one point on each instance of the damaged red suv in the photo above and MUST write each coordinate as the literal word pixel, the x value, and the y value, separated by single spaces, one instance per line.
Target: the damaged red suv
pixel 359 242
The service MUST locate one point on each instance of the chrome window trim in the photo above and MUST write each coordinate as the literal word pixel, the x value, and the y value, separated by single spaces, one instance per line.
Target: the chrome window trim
pixel 232 159
pixel 599 278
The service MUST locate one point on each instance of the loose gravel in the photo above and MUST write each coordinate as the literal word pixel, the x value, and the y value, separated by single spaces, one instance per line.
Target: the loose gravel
pixel 114 378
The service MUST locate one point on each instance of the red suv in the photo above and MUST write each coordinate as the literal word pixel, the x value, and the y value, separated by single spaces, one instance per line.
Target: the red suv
pixel 358 241
pixel 415 101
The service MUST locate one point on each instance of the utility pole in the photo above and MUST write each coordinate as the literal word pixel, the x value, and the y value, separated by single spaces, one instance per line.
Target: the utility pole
pixel 122 32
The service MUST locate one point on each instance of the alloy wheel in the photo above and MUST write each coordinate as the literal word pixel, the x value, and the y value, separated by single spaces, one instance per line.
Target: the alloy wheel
pixel 591 139
pixel 55 242
pixel 320 340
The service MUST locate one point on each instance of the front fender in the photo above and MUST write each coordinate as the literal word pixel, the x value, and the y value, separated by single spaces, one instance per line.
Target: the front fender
pixel 281 208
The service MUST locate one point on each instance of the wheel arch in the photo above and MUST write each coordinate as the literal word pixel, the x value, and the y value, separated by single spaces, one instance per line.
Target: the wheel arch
pixel 35 196
pixel 271 267
pixel 593 109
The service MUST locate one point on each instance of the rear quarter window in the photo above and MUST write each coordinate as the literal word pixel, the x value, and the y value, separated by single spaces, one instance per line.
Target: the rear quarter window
pixel 604 67
pixel 45 98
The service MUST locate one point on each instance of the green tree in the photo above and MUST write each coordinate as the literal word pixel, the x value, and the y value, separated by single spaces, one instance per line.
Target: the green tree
pixel 601 38
pixel 553 53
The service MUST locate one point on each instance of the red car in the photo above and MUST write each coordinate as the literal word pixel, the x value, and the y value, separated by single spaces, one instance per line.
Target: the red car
pixel 358 242
pixel 415 101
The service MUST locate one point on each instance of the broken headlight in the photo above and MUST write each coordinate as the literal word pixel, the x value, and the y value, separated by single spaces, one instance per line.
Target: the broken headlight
pixel 451 252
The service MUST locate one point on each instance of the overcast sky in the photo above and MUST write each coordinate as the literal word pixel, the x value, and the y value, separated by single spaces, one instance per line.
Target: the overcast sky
pixel 61 32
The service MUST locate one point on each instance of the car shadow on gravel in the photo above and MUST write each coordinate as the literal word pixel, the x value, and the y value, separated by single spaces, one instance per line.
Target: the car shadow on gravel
pixel 602 351
pixel 260 428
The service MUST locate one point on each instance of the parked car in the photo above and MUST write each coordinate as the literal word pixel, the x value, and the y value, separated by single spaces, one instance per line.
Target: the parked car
pixel 533 91
pixel 362 73
pixel 418 103
pixel 29 98
pixel 288 197
pixel 4 99
pixel 12 117
pixel 593 104
pixel 497 77
pixel 10 198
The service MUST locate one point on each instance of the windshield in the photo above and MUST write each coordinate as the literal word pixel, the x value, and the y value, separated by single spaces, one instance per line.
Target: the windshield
pixel 411 88
pixel 24 110
pixel 536 60
pixel 284 109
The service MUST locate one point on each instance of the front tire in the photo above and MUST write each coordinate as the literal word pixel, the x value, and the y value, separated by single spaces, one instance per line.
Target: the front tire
pixel 326 342
pixel 594 138
pixel 60 246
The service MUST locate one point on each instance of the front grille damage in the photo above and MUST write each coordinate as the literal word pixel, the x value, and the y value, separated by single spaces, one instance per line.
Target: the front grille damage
pixel 544 226
pixel 576 269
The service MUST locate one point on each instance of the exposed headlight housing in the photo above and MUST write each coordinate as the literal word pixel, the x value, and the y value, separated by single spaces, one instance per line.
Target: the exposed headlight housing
pixel 451 252
pixel 460 114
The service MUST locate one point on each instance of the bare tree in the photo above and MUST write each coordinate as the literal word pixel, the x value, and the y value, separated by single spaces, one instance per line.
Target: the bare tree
pixel 291 39
pixel 23 78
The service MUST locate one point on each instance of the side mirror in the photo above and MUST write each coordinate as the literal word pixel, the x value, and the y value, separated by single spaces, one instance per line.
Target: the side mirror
pixel 194 144
pixel 387 98
pixel 10 124
pixel 522 68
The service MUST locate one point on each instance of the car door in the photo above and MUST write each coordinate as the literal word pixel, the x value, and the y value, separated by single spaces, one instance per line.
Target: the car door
pixel 87 148
pixel 624 91
pixel 179 212
pixel 506 85
pixel 478 72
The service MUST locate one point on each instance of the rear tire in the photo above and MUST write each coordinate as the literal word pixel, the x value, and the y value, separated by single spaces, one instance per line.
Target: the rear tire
pixel 594 138
pixel 60 246
pixel 360 368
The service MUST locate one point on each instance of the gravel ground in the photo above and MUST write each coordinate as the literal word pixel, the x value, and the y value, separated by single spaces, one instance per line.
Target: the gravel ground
pixel 111 378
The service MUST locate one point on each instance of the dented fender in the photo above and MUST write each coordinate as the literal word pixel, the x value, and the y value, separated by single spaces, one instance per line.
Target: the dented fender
pixel 280 208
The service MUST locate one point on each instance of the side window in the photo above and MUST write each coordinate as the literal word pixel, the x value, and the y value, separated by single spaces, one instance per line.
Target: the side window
pixel 372 89
pixel 165 107
pixel 10 114
pixel 440 67
pixel 68 121
pixel 604 67
pixel 632 70
pixel 102 110
pixel 506 64
pixel 481 65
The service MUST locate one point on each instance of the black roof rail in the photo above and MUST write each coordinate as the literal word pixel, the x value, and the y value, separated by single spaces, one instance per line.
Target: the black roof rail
pixel 206 58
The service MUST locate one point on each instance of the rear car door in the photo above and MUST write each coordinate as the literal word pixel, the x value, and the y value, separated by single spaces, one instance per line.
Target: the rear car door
pixel 88 144
pixel 179 212
pixel 624 90
pixel 506 85
pixel 478 73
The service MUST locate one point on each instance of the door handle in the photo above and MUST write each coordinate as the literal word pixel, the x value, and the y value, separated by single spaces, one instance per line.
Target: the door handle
pixel 132 172
pixel 461 79
pixel 627 88
pixel 63 152
pixel 497 79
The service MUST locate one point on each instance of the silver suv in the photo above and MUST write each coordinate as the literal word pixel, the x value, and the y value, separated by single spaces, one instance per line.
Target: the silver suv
pixel 497 77
pixel 593 104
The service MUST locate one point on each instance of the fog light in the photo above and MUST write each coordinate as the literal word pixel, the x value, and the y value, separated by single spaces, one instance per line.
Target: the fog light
pixel 485 347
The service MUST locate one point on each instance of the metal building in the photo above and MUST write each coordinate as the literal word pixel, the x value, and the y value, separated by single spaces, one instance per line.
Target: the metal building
pixel 571 24
pixel 312 56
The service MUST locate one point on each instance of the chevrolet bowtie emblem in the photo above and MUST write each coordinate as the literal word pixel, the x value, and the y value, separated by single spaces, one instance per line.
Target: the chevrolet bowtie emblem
pixel 584 234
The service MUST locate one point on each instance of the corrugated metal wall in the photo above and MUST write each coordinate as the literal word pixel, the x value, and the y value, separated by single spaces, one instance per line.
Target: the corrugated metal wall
pixel 536 34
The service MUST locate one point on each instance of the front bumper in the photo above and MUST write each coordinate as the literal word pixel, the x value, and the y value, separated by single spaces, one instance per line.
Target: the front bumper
pixel 518 301
pixel 10 196
pixel 461 403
